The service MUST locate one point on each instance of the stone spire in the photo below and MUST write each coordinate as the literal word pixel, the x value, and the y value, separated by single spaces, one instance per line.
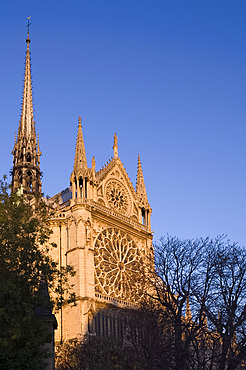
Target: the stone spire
pixel 140 185
pixel 80 162
pixel 26 152
pixel 27 126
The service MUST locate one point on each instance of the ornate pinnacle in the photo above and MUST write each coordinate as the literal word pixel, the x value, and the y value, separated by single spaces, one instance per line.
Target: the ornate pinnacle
pixel 140 185
pixel 80 161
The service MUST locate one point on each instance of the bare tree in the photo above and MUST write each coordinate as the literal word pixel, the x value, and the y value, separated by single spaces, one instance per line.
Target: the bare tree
pixel 201 286
pixel 222 293
pixel 148 338
pixel 177 274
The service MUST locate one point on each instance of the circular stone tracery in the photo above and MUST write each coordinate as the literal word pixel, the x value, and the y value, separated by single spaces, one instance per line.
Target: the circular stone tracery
pixel 117 196
pixel 117 265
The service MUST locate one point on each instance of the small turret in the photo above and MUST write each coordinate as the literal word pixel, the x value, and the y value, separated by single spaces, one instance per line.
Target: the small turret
pixel 82 178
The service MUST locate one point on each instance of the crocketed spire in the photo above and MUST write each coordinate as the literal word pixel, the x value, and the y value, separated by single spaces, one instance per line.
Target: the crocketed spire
pixel 27 125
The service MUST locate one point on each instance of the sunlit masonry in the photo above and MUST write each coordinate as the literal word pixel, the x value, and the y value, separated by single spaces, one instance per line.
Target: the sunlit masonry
pixel 102 227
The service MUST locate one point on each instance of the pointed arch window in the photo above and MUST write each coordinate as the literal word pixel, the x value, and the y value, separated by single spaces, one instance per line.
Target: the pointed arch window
pixel 144 217
pixel 81 184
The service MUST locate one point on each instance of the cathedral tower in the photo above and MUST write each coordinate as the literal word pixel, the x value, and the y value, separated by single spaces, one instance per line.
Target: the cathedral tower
pixel 26 172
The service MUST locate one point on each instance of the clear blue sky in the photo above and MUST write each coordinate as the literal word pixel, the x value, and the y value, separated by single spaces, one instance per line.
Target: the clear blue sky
pixel 168 76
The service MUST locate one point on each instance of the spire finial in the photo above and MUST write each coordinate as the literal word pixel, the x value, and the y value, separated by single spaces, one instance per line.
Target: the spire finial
pixel 115 146
pixel 28 29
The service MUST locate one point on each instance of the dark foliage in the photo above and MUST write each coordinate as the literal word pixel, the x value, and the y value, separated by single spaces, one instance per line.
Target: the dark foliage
pixel 24 263
pixel 93 354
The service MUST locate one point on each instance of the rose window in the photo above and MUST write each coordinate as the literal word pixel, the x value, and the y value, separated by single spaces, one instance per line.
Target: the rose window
pixel 117 265
pixel 117 196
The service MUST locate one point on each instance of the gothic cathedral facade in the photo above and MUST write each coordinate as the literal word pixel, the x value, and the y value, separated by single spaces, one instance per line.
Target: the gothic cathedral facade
pixel 101 226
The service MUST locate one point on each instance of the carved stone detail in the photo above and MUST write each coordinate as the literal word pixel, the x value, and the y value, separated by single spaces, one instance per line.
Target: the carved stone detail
pixel 117 196
pixel 118 262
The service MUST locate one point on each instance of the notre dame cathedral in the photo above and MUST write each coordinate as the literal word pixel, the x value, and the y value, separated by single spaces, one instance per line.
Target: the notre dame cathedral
pixel 101 226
